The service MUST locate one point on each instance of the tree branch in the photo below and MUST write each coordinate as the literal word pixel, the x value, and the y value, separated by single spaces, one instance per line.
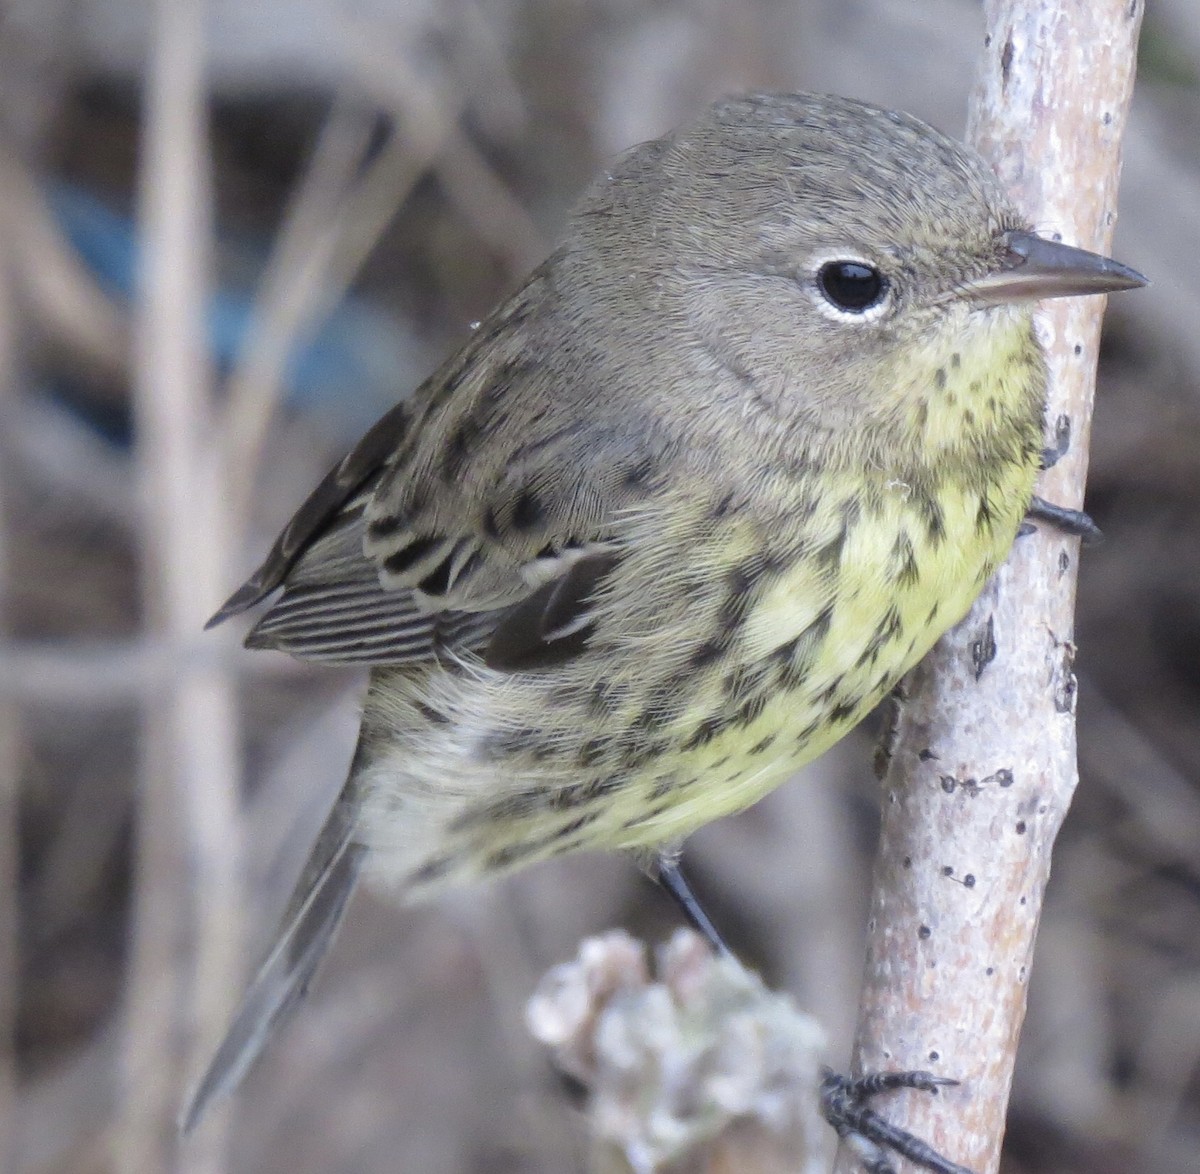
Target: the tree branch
pixel 185 960
pixel 983 767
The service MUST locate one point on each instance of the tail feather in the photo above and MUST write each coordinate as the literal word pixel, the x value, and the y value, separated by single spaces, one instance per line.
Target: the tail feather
pixel 305 934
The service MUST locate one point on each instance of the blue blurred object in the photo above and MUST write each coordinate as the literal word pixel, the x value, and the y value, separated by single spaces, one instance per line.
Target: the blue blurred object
pixel 360 361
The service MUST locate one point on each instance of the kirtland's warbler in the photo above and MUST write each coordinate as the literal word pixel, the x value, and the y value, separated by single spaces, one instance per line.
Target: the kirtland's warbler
pixel 680 512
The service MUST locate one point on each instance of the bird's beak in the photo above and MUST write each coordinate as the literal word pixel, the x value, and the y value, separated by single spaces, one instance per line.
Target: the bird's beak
pixel 1034 268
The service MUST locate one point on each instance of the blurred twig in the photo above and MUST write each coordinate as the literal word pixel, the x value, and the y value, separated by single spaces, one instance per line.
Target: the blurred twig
pixel 65 298
pixel 297 288
pixel 427 112
pixel 10 744
pixel 351 191
pixel 69 1112
pixel 1154 794
pixel 984 767
pixel 187 824
pixel 114 675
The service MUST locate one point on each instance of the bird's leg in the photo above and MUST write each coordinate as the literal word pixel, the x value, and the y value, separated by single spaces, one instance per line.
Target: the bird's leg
pixel 667 873
pixel 1073 522
pixel 844 1105
pixel 844 1101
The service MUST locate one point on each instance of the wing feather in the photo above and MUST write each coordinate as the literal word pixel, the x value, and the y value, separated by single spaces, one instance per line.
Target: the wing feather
pixel 331 497
pixel 445 525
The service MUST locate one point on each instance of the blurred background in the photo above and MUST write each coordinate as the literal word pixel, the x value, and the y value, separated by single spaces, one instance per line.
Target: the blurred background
pixel 319 197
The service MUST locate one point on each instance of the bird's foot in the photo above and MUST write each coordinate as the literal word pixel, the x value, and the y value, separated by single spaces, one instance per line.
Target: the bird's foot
pixel 845 1105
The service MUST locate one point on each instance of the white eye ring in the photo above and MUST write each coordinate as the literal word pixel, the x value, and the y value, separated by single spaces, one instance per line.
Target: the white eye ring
pixel 850 289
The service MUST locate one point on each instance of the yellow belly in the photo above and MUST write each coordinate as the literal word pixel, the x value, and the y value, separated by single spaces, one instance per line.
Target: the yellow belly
pixel 836 642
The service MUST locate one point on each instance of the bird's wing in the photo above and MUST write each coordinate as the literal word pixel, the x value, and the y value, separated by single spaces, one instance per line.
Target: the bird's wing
pixel 340 491
pixel 480 516
pixel 338 608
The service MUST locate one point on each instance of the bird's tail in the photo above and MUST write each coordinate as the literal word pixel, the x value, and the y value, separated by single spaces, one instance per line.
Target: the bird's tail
pixel 305 933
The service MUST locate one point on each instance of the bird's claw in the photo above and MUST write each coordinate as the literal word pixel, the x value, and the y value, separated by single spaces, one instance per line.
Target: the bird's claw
pixel 844 1104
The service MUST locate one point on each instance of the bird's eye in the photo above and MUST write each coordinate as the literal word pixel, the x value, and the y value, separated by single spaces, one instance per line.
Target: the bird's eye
pixel 852 286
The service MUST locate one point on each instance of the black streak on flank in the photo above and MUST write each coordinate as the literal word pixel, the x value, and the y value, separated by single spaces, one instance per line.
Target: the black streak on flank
pixel 830 555
pixel 747 680
pixel 831 692
pixel 550 843
pixel 634 756
pixel 704 733
pixel 592 750
pixel 905 561
pixel 842 712
pixel 819 628
pixel 890 627
pixel 510 809
pixel 664 787
pixel 740 583
pixel 507 856
pixel 707 653
pixel 935 522
pixel 794 659
pixel 578 824
pixel 983 519
pixel 751 709
pixel 658 708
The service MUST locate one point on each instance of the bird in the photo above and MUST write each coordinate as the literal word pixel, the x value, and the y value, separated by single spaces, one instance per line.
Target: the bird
pixel 678 514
